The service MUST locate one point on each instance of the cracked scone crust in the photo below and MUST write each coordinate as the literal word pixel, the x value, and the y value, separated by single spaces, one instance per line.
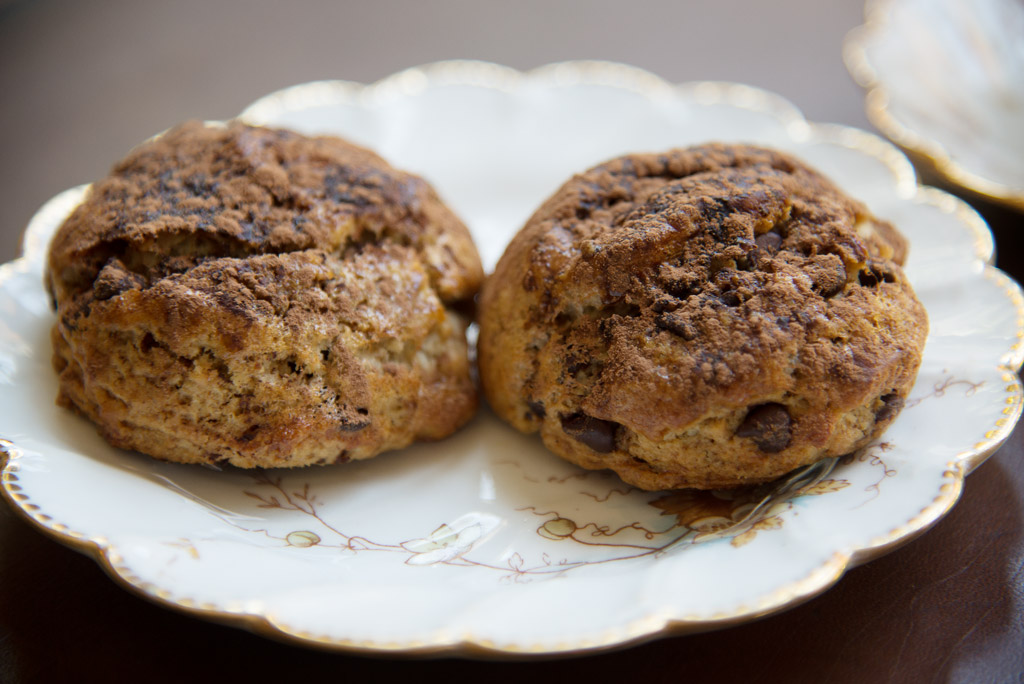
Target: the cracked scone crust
pixel 709 317
pixel 256 297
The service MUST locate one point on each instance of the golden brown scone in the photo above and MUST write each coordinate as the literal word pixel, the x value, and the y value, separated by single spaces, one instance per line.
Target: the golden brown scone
pixel 709 317
pixel 257 297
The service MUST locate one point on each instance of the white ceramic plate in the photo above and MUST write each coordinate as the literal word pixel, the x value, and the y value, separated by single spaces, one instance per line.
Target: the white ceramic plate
pixel 485 543
pixel 945 81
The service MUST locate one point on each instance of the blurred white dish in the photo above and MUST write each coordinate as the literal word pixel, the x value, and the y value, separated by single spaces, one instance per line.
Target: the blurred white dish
pixel 945 81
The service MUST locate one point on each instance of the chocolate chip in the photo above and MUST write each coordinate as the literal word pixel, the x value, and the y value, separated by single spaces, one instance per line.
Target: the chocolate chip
pixel 768 425
pixel 891 405
pixel 768 242
pixel 597 434
pixel 537 408
pixel 676 325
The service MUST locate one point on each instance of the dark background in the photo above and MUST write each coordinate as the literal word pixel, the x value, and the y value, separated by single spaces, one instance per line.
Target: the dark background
pixel 81 82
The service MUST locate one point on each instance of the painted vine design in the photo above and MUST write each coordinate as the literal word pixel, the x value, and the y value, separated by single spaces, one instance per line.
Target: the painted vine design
pixel 687 517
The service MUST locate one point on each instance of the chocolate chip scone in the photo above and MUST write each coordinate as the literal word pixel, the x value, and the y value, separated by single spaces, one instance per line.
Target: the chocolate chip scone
pixel 242 295
pixel 709 317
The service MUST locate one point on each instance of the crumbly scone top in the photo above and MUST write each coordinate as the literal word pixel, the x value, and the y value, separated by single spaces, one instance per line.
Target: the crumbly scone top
pixel 662 284
pixel 243 295
pixel 200 192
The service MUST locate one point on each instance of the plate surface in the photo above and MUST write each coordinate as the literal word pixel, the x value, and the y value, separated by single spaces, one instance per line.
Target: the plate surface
pixel 484 543
pixel 945 81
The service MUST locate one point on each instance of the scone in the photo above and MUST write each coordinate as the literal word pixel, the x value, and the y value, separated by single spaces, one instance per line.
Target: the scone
pixel 242 295
pixel 709 317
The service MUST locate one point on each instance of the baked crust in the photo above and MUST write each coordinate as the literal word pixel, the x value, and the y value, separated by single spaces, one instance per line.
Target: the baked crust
pixel 709 317
pixel 257 297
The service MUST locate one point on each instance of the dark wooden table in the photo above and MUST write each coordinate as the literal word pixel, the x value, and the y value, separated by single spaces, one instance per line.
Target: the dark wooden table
pixel 81 82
